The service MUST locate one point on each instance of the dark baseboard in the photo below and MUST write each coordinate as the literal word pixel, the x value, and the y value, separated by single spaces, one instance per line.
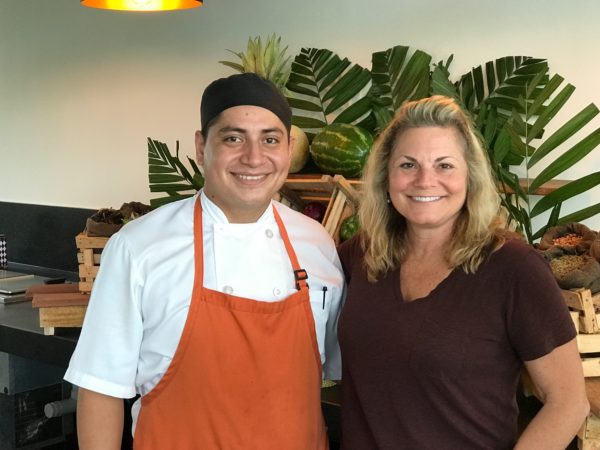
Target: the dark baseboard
pixel 40 235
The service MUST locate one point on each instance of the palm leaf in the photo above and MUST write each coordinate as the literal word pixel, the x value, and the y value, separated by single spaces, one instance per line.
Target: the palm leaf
pixel 566 192
pixel 501 83
pixel 567 159
pixel 167 174
pixel 563 133
pixel 325 88
pixel 513 100
pixel 398 77
pixel 440 81
pixel 580 215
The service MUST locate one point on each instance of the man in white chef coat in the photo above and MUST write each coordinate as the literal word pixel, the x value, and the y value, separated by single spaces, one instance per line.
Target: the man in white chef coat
pixel 219 310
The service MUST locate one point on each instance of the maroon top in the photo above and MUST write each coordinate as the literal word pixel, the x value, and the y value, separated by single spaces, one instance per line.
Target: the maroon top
pixel 442 372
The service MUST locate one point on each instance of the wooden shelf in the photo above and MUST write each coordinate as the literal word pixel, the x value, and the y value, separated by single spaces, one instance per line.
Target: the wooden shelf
pixel 310 182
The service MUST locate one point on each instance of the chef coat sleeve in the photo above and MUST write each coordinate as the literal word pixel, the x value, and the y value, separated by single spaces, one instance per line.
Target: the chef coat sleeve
pixel 106 357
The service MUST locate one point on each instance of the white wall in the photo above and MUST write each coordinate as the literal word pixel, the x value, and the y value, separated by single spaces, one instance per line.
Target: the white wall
pixel 81 89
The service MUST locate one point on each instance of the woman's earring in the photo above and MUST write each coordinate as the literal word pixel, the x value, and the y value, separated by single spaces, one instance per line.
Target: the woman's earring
pixel 388 201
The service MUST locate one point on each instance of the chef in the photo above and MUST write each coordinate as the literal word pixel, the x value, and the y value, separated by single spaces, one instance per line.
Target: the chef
pixel 219 310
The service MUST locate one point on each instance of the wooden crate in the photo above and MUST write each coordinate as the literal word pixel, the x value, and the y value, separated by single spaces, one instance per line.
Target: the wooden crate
pixel 88 256
pixel 589 434
pixel 339 194
pixel 588 437
pixel 583 306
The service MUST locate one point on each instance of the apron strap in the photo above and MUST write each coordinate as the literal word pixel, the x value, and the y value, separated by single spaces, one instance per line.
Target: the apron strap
pixel 300 275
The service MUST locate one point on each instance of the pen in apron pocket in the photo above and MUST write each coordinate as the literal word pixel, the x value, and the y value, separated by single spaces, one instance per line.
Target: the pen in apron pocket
pixel 324 291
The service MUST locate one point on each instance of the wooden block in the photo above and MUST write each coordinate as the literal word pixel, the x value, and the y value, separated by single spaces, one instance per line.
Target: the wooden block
pixel 88 271
pixel 59 299
pixel 591 367
pixel 348 189
pixel 588 343
pixel 62 316
pixel 51 289
pixel 82 240
pixel 332 216
pixel 590 325
pixel 588 444
pixel 592 427
pixel 575 319
pixel 592 390
pixel 573 300
pixel 95 258
pixel 89 257
pixel 85 286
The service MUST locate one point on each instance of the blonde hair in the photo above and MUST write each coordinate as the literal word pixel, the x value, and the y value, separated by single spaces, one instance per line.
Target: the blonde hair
pixel 479 223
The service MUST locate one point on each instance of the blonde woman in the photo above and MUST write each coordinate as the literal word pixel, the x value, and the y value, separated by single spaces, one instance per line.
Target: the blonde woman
pixel 444 306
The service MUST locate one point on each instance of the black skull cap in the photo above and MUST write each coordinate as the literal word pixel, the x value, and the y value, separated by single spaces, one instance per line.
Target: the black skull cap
pixel 243 89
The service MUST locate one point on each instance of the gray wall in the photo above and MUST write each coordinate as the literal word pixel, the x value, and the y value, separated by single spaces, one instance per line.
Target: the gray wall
pixel 81 89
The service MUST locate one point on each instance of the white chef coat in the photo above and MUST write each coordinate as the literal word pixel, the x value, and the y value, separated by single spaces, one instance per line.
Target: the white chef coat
pixel 142 293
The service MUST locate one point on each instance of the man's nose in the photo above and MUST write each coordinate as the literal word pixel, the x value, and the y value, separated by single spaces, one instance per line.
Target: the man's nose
pixel 253 154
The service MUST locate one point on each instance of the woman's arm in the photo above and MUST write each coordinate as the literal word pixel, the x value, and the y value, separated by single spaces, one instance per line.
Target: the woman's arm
pixel 99 421
pixel 558 377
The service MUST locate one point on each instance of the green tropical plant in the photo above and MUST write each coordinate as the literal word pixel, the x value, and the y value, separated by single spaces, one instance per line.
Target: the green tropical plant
pixel 167 174
pixel 268 61
pixel 513 100
pixel 398 77
pixel 327 89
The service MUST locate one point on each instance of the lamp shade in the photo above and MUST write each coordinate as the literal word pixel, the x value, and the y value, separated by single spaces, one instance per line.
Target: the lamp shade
pixel 142 5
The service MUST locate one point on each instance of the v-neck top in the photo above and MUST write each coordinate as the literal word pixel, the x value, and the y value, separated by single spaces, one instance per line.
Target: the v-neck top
pixel 442 371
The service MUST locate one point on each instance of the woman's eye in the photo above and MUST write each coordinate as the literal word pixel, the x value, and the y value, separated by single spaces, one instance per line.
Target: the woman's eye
pixel 406 165
pixel 446 166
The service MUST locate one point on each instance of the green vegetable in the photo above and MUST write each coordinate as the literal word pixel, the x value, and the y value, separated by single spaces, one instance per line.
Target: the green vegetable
pixel 349 227
pixel 341 148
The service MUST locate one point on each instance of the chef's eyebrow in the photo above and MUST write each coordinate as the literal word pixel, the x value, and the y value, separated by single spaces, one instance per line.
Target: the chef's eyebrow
pixel 229 129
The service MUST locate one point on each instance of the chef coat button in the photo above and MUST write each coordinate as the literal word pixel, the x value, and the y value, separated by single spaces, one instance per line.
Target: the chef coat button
pixel 228 289
pixel 276 291
pixel 269 233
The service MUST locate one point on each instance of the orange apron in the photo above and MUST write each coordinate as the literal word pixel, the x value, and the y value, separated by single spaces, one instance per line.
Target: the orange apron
pixel 246 374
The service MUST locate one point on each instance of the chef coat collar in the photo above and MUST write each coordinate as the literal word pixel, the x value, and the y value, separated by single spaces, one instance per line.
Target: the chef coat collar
pixel 218 216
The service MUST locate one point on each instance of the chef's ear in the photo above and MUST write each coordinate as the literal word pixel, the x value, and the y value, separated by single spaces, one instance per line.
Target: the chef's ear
pixel 200 144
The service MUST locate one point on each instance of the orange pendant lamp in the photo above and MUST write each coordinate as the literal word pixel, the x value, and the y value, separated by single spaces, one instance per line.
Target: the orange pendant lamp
pixel 142 5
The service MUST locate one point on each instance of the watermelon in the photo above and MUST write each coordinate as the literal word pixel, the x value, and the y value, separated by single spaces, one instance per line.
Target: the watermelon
pixel 341 148
pixel 349 227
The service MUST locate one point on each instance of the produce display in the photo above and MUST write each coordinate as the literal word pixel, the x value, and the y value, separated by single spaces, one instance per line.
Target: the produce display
pixel 315 210
pixel 571 250
pixel 107 221
pixel 349 227
pixel 341 148
pixel 300 151
pixel 570 240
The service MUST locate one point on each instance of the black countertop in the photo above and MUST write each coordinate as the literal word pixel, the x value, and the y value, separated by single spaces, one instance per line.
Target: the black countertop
pixel 20 331
pixel 21 335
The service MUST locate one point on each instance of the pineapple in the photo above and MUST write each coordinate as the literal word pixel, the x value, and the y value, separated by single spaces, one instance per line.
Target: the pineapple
pixel 268 61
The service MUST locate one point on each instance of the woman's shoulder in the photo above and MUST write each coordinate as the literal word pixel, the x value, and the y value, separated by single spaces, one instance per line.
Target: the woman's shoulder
pixel 516 252
pixel 352 247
